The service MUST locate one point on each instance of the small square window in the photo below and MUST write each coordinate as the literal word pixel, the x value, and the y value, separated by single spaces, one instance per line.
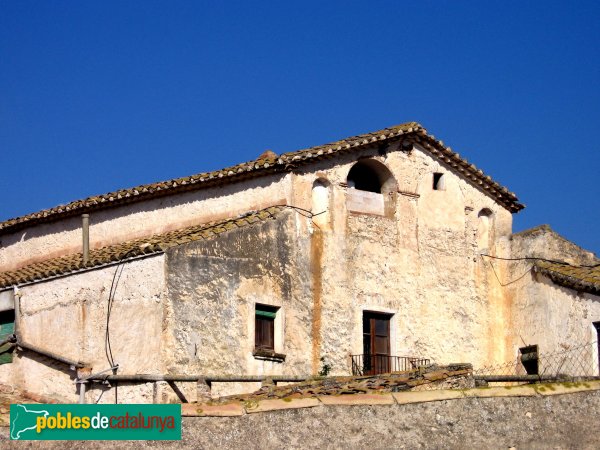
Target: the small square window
pixel 264 327
pixel 439 183
pixel 529 359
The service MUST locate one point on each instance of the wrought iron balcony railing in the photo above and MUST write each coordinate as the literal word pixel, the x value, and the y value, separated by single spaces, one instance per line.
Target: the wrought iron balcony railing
pixel 376 364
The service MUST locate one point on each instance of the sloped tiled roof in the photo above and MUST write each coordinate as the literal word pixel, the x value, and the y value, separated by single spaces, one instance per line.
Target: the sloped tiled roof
pixel 273 164
pixel 580 278
pixel 138 247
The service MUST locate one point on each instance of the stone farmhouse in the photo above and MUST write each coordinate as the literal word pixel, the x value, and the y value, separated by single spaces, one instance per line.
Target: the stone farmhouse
pixel 370 254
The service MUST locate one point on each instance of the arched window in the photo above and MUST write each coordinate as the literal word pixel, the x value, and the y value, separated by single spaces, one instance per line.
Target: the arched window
pixel 484 219
pixel 364 178
pixel 371 176
pixel 320 201
pixel 372 188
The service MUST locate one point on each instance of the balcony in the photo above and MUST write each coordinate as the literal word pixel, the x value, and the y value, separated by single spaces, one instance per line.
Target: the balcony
pixel 376 364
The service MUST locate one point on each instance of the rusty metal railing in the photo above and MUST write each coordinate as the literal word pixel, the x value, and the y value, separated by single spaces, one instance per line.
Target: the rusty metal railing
pixel 376 364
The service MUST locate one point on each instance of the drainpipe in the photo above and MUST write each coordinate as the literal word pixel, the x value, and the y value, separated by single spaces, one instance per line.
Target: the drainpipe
pixel 85 233
pixel 82 392
pixel 82 374
pixel 85 228
pixel 17 308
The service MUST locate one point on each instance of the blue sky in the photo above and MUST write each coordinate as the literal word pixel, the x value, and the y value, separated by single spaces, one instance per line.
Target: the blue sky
pixel 97 96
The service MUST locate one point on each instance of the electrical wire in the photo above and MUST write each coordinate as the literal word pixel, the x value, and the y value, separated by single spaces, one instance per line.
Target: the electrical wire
pixel 119 272
pixel 534 258
pixel 111 299
pixel 308 214
pixel 510 282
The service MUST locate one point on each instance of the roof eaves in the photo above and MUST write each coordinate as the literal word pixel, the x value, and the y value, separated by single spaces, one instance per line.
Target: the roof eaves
pixel 580 278
pixel 271 165
pixel 117 253
pixel 506 198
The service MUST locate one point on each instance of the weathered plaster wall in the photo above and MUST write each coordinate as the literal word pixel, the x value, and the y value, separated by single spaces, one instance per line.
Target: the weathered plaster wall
pixel 554 317
pixel 213 289
pixel 67 316
pixel 141 219
pixel 420 263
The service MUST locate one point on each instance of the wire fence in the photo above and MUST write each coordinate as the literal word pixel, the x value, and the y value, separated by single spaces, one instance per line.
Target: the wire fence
pixel 575 364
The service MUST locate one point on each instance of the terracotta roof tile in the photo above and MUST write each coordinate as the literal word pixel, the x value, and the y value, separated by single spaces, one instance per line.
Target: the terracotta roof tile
pixel 580 278
pixel 145 246
pixel 273 164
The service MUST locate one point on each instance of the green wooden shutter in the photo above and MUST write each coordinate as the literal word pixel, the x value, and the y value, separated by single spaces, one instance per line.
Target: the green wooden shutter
pixel 7 327
pixel 269 314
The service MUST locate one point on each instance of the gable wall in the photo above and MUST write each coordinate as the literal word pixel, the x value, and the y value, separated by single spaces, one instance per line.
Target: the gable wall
pixel 420 264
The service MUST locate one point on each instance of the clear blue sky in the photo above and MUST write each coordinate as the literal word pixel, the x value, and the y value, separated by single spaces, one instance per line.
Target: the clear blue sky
pixel 97 96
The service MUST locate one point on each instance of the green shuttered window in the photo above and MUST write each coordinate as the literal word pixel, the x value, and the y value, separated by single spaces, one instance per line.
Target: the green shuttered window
pixel 264 327
pixel 7 327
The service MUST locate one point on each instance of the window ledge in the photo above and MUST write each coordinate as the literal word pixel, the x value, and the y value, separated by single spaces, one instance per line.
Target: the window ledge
pixel 268 355
pixel 365 202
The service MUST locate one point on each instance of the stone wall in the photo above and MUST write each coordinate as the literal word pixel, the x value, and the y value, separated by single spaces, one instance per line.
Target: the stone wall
pixel 523 422
pixel 520 422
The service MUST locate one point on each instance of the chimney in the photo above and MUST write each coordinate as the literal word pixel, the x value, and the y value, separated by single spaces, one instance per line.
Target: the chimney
pixel 85 229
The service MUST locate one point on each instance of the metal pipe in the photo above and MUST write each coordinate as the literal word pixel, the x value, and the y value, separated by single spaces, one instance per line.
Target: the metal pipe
pixel 85 228
pixel 17 306
pixel 50 355
pixel 96 376
pixel 190 378
pixel 82 392
pixel 517 378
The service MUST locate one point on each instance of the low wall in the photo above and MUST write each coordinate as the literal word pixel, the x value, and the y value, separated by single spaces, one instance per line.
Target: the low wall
pixel 480 418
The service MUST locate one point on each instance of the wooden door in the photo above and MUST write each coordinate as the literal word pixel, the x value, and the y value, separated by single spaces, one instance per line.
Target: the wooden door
pixel 376 343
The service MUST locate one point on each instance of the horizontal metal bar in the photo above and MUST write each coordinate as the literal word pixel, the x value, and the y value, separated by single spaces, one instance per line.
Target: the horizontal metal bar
pixel 96 375
pixel 207 378
pixel 51 355
pixel 516 378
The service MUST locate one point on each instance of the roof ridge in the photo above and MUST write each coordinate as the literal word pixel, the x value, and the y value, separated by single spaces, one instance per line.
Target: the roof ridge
pixel 138 247
pixel 258 167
